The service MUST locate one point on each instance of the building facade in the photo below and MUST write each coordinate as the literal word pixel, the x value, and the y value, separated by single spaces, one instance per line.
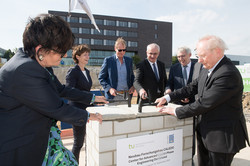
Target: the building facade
pixel 138 34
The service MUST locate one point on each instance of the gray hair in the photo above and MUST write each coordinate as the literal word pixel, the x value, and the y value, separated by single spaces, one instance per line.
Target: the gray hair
pixel 153 45
pixel 184 49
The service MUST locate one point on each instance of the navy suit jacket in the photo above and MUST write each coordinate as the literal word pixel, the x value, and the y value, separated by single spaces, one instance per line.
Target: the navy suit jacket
pixel 222 124
pixel 75 78
pixel 30 98
pixel 108 76
pixel 145 78
pixel 176 80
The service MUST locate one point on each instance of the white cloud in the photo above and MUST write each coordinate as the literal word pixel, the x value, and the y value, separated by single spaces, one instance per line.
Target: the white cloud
pixel 211 3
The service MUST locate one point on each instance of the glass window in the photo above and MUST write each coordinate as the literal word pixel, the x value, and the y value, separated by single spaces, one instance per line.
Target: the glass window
pixel 132 44
pixel 109 42
pixel 95 32
pixel 85 41
pixel 123 24
pixel 96 42
pixel 123 33
pixel 99 22
pixel 74 19
pixel 156 36
pixel 134 25
pixel 74 30
pixel 110 22
pixel 132 34
pixel 76 41
pixel 156 27
pixel 109 32
pixel 85 30
pixel 86 20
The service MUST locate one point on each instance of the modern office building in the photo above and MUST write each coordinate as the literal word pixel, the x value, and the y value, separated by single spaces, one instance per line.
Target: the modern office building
pixel 138 33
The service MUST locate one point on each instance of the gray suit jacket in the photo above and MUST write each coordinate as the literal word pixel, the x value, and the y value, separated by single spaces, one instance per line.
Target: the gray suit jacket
pixel 222 124
pixel 30 97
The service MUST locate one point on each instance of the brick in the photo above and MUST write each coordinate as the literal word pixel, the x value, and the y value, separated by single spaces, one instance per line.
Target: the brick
pixel 128 126
pixel 172 121
pixel 106 159
pixel 151 123
pixel 109 143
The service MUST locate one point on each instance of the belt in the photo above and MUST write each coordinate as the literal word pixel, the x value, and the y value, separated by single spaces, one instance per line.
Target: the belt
pixel 122 91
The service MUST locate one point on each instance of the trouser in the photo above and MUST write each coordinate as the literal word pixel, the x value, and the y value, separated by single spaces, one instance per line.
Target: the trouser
pixel 79 135
pixel 208 158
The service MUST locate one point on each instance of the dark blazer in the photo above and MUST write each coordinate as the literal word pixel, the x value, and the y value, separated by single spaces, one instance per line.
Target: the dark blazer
pixel 75 78
pixel 222 123
pixel 176 80
pixel 145 78
pixel 30 97
pixel 108 76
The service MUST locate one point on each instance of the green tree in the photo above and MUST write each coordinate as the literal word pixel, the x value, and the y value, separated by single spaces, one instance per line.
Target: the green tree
pixel 174 59
pixel 8 54
pixel 136 59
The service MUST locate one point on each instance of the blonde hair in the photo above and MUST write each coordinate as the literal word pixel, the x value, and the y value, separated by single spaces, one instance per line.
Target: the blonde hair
pixel 120 40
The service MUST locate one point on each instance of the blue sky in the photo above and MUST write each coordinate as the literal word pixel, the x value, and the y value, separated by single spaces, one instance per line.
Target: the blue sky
pixel 191 19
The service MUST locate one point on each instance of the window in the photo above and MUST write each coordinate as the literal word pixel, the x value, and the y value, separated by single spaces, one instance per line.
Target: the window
pixel 74 19
pixel 109 33
pixel 110 22
pixel 132 44
pixel 96 42
pixel 122 24
pixel 132 34
pixel 122 33
pixel 109 42
pixel 99 22
pixel 85 41
pixel 133 25
pixel 85 31
pixel 156 36
pixel 86 20
pixel 156 27
pixel 95 32
pixel 75 30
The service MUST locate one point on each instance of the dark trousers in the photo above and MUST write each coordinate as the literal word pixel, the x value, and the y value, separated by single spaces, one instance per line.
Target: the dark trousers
pixel 208 158
pixel 79 135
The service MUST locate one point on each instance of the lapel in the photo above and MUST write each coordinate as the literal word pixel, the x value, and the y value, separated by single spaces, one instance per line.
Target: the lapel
pixel 83 78
pixel 114 68
pixel 150 70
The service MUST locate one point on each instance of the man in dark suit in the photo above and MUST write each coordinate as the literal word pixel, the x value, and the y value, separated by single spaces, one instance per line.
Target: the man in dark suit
pixel 180 74
pixel 116 75
pixel 151 78
pixel 221 128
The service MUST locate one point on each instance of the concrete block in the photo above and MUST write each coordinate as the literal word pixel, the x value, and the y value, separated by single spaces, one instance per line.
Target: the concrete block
pixel 187 130
pixel 128 126
pixel 109 143
pixel 172 121
pixel 188 142
pixel 106 159
pixel 151 123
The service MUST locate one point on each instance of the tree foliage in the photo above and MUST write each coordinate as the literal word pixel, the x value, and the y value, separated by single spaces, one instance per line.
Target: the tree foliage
pixel 8 54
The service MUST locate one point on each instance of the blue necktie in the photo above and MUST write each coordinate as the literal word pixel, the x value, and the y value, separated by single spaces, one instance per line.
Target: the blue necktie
pixel 185 74
pixel 155 71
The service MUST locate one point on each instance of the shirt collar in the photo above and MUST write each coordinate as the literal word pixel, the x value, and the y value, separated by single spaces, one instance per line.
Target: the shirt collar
pixel 212 69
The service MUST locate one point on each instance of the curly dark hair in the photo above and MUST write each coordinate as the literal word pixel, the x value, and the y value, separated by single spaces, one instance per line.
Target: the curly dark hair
pixel 49 31
pixel 78 50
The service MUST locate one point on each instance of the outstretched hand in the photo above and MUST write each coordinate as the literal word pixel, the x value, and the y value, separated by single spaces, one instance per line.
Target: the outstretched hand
pixel 167 110
pixel 161 101
pixel 101 99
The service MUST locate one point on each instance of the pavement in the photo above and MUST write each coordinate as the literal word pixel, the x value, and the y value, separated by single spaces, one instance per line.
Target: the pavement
pixel 241 159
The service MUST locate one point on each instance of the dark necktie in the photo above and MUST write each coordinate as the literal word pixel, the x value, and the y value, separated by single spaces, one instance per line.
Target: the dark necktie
pixel 185 74
pixel 155 71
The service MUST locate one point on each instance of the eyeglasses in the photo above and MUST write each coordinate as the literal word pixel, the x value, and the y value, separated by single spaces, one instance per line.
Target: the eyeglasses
pixel 181 56
pixel 120 50
pixel 151 53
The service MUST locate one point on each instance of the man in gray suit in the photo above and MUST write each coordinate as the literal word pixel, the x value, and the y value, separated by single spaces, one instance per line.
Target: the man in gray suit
pixel 221 127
